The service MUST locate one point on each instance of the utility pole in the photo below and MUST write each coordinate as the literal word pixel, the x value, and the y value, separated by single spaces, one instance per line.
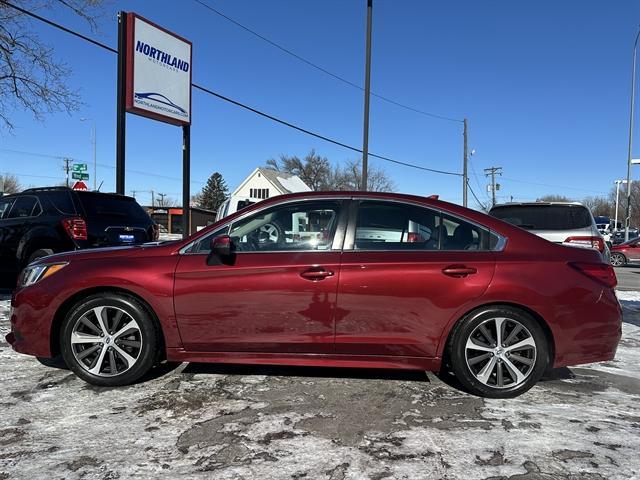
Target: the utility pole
pixel 93 143
pixel 367 95
pixel 492 172
pixel 465 176
pixel 161 201
pixel 67 168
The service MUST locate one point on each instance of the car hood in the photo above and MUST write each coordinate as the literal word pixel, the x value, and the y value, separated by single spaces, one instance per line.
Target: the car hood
pixel 107 252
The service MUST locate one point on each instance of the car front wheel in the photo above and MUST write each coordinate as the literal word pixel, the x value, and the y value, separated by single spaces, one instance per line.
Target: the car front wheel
pixel 109 340
pixel 618 260
pixel 499 352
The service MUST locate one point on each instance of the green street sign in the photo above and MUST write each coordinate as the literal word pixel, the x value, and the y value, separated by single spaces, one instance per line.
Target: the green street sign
pixel 79 175
pixel 79 167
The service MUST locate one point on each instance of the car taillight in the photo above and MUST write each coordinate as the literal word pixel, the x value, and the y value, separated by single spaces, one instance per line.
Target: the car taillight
pixel 601 272
pixel 586 242
pixel 414 237
pixel 75 227
pixel 155 232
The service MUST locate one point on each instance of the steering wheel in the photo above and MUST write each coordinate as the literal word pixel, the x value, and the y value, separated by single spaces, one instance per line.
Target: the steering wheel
pixel 251 245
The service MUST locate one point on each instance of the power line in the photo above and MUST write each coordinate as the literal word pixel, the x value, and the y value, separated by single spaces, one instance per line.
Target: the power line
pixel 103 165
pixel 553 186
pixel 322 69
pixel 475 175
pixel 240 104
pixel 480 204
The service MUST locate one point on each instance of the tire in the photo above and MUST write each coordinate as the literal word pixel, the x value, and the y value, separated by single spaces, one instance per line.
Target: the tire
pixel 618 260
pixel 41 252
pixel 487 369
pixel 119 356
pixel 271 233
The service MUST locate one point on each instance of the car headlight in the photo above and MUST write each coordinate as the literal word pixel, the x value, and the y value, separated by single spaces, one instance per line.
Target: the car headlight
pixel 34 273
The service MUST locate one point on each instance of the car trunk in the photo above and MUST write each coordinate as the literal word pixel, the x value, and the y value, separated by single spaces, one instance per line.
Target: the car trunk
pixel 560 236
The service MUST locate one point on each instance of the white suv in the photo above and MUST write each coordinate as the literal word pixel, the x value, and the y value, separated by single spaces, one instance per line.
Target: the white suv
pixel 567 223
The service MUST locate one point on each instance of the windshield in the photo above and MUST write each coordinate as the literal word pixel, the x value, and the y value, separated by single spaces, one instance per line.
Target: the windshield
pixel 544 217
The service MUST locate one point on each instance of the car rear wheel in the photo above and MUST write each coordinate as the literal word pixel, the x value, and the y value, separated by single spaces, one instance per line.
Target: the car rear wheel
pixel 618 260
pixel 109 340
pixel 499 352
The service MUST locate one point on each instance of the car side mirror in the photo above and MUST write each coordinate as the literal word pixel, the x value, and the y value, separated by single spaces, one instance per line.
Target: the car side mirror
pixel 223 251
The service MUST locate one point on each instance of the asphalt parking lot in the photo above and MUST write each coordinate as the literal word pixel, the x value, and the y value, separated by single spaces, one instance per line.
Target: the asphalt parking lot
pixel 210 421
pixel 628 277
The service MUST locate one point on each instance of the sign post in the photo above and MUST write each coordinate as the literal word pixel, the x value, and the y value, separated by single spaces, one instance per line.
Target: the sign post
pixel 154 81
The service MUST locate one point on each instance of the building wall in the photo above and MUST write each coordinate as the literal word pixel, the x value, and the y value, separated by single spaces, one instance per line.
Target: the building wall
pixel 257 181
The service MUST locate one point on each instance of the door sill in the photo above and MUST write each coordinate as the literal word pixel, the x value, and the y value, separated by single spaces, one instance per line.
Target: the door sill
pixel 307 359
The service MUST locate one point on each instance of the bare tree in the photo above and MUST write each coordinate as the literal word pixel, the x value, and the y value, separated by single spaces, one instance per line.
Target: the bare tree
pixel 31 77
pixel 599 206
pixel 163 201
pixel 317 172
pixel 349 177
pixel 313 169
pixel 554 198
pixel 9 184
pixel 622 205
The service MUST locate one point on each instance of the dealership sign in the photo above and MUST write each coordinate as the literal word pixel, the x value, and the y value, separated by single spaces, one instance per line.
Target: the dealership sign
pixel 158 72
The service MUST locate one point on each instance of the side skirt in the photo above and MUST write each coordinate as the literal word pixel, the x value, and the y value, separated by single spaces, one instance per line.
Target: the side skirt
pixel 307 359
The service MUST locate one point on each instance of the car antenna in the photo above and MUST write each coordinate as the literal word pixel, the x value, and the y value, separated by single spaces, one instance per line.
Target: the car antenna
pixel 100 186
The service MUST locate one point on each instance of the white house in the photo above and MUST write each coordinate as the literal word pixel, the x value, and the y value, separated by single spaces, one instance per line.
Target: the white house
pixel 265 183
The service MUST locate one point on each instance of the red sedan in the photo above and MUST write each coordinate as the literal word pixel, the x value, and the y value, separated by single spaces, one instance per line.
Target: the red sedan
pixel 328 279
pixel 627 252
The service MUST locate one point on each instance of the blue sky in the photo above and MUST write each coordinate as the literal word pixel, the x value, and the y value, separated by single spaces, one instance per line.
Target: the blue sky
pixel 544 84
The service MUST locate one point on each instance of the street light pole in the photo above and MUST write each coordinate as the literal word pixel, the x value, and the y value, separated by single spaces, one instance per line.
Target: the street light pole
pixel 629 158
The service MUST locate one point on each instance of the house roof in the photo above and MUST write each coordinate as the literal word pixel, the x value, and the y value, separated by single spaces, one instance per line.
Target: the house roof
pixel 283 182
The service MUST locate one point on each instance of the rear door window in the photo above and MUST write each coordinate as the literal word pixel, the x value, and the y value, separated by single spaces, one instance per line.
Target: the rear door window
pixel 544 217
pixel 458 234
pixel 24 207
pixel 63 202
pixel 384 225
pixel 395 226
pixel 112 207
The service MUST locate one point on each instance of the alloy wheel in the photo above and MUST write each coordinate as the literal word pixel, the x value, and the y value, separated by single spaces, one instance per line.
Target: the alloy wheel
pixel 106 341
pixel 269 233
pixel 501 353
pixel 617 260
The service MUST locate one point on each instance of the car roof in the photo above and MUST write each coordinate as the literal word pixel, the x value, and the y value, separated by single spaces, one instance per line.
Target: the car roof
pixel 431 201
pixel 536 204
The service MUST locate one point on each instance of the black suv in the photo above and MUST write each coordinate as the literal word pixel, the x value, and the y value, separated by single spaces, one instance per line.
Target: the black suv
pixel 43 221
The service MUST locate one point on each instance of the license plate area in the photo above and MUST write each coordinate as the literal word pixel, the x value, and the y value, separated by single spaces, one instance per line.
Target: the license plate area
pixel 126 238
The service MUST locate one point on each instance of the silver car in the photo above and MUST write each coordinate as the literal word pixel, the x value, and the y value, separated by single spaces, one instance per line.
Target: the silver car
pixel 567 223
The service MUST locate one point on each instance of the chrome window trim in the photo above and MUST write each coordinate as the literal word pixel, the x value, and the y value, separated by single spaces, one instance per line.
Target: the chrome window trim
pixel 183 250
pixel 502 241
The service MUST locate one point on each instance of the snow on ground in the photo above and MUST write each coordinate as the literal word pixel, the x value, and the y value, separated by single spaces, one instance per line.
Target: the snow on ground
pixel 231 422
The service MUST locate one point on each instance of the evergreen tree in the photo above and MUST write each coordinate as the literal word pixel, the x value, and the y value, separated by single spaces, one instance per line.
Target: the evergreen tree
pixel 214 192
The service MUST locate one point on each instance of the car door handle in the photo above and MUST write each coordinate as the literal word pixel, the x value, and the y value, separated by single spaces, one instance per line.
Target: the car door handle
pixel 459 271
pixel 316 274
